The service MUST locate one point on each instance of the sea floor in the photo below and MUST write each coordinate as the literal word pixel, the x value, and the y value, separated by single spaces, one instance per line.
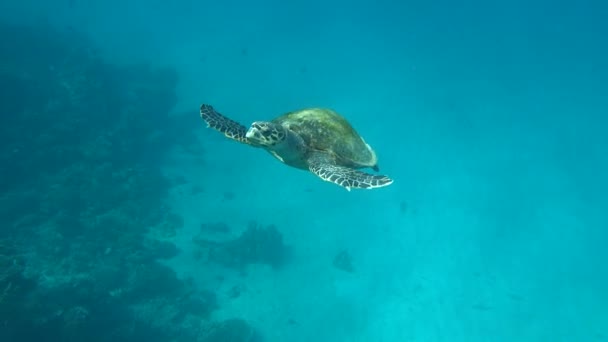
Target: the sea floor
pixel 421 270
pixel 462 247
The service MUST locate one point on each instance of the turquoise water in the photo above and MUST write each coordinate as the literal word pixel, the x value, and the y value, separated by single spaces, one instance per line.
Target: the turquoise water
pixel 125 218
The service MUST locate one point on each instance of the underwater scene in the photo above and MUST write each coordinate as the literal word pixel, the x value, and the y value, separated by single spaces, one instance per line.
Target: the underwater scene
pixel 294 171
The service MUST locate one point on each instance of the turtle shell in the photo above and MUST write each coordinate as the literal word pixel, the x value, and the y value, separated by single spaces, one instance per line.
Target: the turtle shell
pixel 325 130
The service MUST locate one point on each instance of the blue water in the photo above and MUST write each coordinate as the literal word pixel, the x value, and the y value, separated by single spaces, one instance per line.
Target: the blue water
pixel 125 218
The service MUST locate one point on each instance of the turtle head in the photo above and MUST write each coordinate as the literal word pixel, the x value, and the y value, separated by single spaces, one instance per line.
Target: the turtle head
pixel 265 134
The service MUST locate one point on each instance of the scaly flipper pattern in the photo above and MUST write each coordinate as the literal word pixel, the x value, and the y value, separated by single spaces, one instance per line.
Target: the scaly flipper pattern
pixel 224 125
pixel 346 177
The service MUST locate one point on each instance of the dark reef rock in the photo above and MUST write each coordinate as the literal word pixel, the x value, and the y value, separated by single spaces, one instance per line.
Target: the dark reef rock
pixel 215 228
pixel 256 245
pixel 344 261
pixel 232 330
pixel 161 249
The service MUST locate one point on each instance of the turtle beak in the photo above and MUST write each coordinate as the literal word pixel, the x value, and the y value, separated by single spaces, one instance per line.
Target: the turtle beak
pixel 254 136
pixel 253 132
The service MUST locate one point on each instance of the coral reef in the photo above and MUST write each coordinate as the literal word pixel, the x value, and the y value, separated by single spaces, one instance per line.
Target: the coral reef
pixel 231 330
pixel 344 261
pixel 12 282
pixel 84 222
pixel 256 245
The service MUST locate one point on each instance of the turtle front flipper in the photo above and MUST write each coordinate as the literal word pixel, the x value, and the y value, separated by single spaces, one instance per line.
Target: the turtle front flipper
pixel 224 125
pixel 346 177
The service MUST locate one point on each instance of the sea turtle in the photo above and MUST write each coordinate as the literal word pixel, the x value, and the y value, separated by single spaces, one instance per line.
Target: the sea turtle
pixel 315 139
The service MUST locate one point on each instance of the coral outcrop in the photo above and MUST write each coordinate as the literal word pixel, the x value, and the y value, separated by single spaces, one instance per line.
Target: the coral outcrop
pixel 84 222
pixel 256 245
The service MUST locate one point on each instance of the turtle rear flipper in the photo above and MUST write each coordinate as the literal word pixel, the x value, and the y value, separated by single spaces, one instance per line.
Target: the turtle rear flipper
pixel 346 177
pixel 224 125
